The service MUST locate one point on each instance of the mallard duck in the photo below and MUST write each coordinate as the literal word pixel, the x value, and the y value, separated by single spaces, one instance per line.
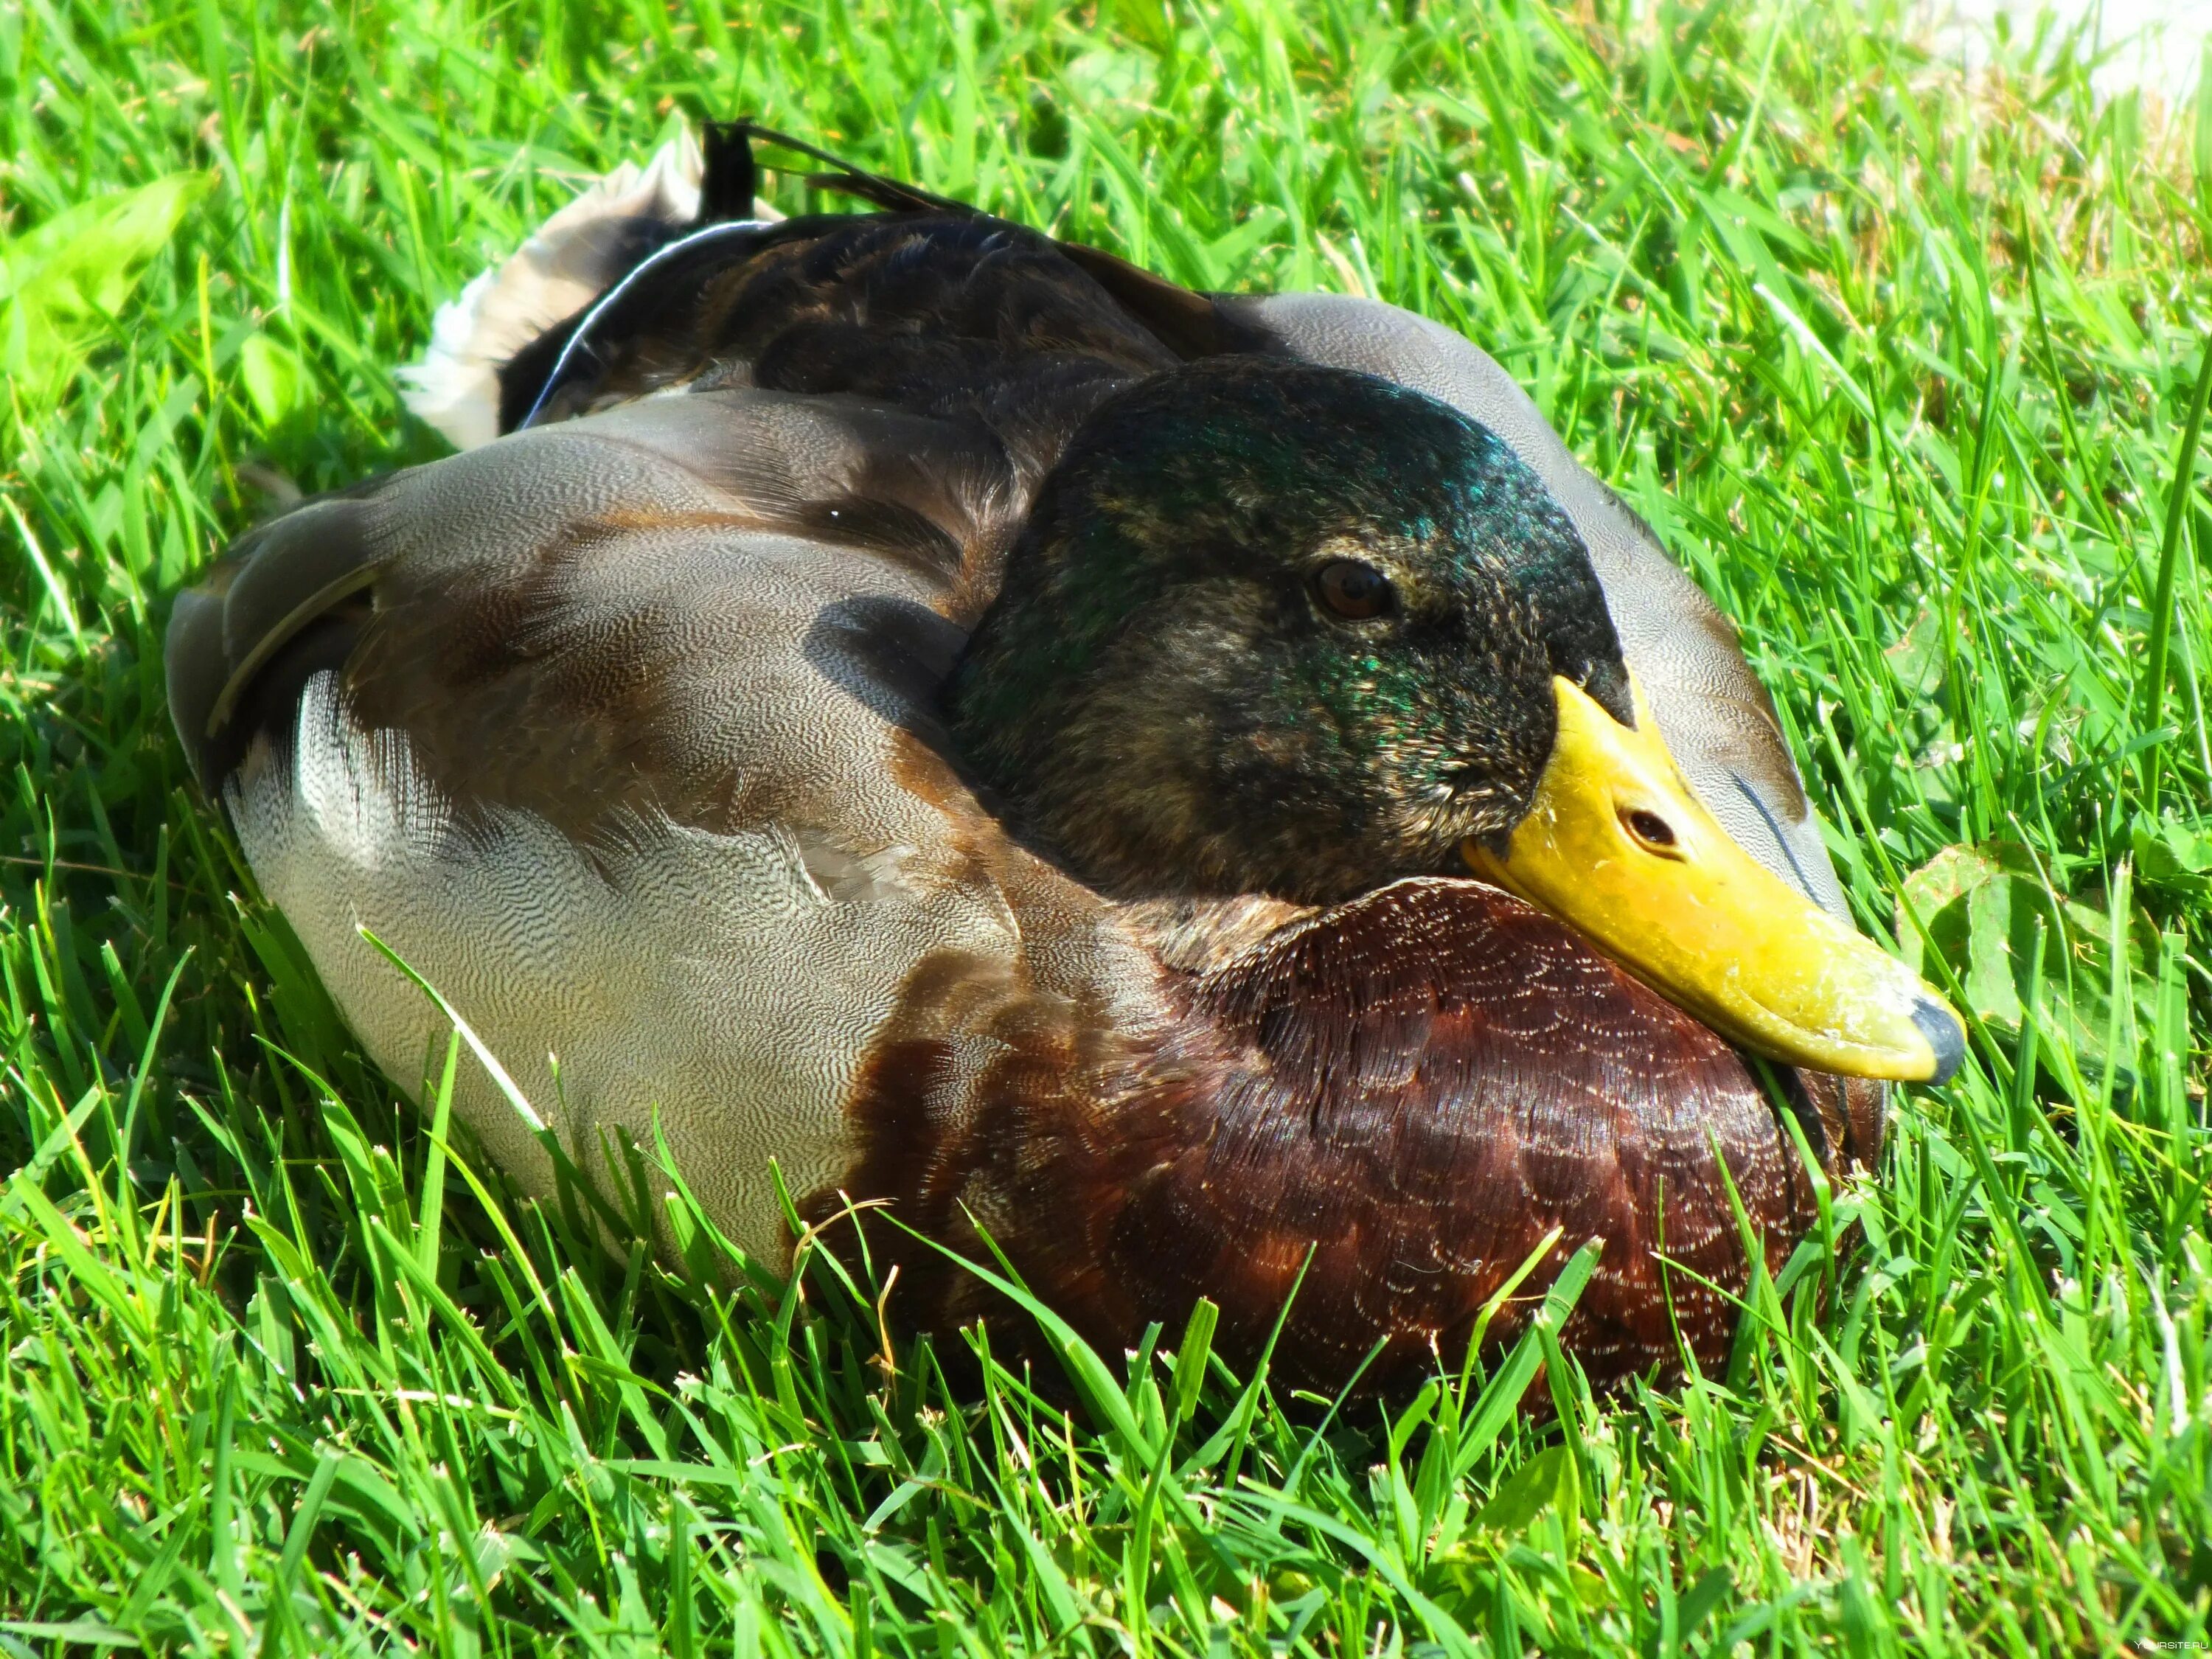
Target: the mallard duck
pixel 1204 788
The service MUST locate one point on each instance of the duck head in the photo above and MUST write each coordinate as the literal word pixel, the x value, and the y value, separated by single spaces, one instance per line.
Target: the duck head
pixel 1275 628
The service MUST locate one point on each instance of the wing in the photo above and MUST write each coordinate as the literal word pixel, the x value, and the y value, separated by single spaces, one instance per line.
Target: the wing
pixel 619 733
pixel 1713 712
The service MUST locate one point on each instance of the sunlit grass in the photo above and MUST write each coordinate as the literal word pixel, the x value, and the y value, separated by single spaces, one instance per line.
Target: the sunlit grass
pixel 1901 369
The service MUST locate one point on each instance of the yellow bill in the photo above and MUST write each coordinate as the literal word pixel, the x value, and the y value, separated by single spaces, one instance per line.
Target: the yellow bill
pixel 1617 846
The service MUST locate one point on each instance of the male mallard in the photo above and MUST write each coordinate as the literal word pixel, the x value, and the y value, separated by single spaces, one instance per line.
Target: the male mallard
pixel 1186 783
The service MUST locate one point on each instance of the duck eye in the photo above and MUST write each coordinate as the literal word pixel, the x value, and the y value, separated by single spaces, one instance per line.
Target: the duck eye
pixel 1352 590
pixel 1654 831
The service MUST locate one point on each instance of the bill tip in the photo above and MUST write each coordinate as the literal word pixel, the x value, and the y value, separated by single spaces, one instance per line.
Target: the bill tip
pixel 1945 1035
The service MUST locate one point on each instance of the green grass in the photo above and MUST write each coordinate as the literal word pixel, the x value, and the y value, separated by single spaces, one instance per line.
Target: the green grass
pixel 1903 369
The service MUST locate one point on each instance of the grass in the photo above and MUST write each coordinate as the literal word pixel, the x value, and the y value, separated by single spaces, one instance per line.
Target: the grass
pixel 1906 370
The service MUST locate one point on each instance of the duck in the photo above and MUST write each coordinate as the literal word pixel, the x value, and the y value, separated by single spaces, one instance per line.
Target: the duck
pixel 934 730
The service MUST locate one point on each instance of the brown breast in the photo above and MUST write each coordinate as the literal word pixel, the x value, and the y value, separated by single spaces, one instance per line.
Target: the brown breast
pixel 1387 1106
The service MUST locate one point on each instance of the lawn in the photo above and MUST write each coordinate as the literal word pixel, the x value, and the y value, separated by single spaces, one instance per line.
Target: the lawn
pixel 1904 368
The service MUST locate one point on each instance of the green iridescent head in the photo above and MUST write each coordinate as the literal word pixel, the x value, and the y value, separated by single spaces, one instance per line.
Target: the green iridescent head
pixel 1278 629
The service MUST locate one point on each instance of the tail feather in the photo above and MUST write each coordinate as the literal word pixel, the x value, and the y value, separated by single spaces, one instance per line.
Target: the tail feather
pixel 732 182
pixel 874 188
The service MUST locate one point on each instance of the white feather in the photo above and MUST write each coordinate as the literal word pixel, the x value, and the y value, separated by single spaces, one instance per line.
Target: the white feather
pixel 557 272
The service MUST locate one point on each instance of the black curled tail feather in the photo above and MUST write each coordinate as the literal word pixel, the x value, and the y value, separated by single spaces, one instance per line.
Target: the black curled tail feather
pixel 729 144
pixel 730 180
